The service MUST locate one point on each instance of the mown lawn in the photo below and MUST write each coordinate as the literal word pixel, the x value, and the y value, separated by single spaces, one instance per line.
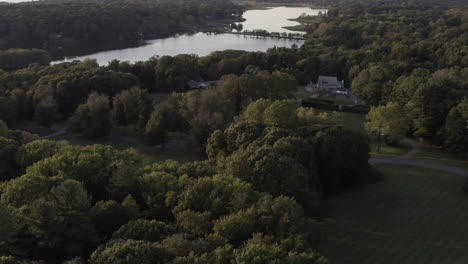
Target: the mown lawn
pixel 438 155
pixel 415 215
pixel 302 93
pixel 353 120
pixel 390 151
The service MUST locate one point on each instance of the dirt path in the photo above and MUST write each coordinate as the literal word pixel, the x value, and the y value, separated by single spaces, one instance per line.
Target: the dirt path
pixel 405 160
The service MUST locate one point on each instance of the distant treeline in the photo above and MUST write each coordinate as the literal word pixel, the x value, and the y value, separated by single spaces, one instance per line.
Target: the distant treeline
pixel 14 59
pixel 74 28
pixel 413 56
pixel 378 3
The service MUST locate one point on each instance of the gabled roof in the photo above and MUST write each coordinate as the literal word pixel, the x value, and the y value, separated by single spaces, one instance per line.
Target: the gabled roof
pixel 328 79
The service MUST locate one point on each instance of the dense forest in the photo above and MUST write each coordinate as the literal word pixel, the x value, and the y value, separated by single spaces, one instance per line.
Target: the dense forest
pixel 414 56
pixel 75 27
pixel 270 162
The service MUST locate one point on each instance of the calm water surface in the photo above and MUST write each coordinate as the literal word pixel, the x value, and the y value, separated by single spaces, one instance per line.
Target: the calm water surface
pixel 274 19
pixel 203 44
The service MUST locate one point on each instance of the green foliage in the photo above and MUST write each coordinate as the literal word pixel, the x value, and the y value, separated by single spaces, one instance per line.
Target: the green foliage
pixel 127 251
pixel 268 170
pixel 8 166
pixel 255 111
pixel 406 86
pixel 197 169
pixel 46 112
pixel 76 260
pixel 371 83
pixel 159 123
pixel 13 260
pixel 56 213
pixel 108 216
pixel 14 59
pixel 281 217
pixel 338 168
pixel 131 107
pixel 194 222
pixel 259 250
pixel 217 195
pixel 215 107
pixel 92 26
pixel 131 206
pixel 456 130
pixel 220 255
pixel 391 119
pixel 7 110
pixel 71 84
pixel 200 216
pixel 141 229
pixel 92 119
pixel 38 150
pixel 240 205
pixel 3 129
pixel 262 249
pixel 430 107
pixel 96 166
pixel 280 113
pixel 9 227
pixel 160 190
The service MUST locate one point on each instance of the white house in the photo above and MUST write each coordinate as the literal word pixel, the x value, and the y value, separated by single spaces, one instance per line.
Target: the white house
pixel 329 82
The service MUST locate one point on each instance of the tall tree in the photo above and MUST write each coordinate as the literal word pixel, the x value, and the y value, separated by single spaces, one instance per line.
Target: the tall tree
pixel 456 130
pixel 389 121
pixel 92 119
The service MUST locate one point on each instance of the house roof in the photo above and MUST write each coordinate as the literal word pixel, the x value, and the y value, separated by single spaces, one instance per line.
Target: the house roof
pixel 328 79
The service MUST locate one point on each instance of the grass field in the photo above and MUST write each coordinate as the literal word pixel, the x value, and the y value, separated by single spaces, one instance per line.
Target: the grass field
pixel 302 93
pixel 436 154
pixel 413 216
pixel 353 120
pixel 390 151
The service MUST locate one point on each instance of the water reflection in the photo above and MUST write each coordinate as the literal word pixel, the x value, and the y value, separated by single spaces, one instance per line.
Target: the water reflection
pixel 203 44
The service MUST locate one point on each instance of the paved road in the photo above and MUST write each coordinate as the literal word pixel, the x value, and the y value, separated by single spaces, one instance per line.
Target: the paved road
pixel 420 163
pixel 55 134
pixel 405 160
pixel 415 147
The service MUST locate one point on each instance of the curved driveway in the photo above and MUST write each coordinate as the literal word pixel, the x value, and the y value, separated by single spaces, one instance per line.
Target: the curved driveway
pixel 405 160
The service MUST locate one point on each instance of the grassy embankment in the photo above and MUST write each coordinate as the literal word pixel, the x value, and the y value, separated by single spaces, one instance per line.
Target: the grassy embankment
pixel 415 215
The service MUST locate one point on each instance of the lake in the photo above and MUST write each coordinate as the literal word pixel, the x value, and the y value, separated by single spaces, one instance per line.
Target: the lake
pixel 203 44
pixel 274 19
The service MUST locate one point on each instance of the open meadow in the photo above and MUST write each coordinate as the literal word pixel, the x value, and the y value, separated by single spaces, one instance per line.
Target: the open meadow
pixel 414 215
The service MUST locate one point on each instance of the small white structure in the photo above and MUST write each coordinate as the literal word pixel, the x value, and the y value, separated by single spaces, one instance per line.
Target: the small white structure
pixel 329 82
pixel 192 84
